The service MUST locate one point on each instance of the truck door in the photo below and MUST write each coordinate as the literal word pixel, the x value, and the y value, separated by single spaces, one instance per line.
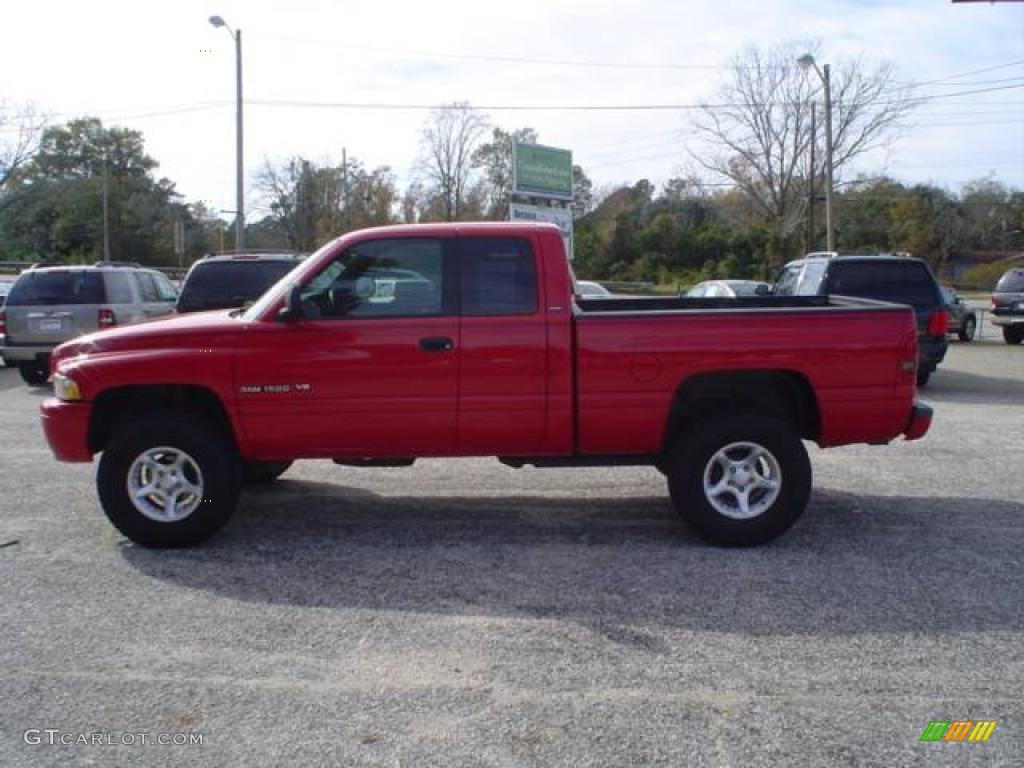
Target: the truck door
pixel 370 370
pixel 503 347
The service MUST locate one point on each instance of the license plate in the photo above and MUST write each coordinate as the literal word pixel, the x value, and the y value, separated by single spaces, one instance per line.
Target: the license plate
pixel 50 324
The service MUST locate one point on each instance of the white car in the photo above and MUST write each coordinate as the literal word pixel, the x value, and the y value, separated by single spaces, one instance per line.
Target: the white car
pixel 588 289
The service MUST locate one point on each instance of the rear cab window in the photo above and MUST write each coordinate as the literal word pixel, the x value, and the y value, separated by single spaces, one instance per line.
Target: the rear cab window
pixel 38 288
pixel 497 276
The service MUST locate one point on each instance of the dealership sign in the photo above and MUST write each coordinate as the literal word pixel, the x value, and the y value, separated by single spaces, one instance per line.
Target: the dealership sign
pixel 560 217
pixel 539 171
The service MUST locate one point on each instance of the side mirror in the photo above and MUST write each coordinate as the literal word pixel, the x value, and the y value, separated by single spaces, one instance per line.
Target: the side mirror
pixel 292 309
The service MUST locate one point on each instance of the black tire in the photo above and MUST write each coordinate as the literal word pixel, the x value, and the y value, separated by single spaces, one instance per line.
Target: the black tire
pixel 259 472
pixel 211 452
pixel 692 456
pixel 966 332
pixel 922 377
pixel 1013 334
pixel 34 374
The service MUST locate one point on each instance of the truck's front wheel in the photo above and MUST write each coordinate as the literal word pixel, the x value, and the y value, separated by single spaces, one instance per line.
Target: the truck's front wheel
pixel 740 479
pixel 168 481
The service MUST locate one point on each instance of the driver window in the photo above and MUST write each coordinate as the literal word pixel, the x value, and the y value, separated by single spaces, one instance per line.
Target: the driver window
pixel 381 278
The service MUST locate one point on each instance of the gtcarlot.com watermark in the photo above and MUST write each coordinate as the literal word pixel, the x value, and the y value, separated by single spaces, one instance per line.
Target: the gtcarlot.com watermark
pixel 57 737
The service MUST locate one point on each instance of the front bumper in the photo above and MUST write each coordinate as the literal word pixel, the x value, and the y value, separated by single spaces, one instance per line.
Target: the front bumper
pixel 66 426
pixel 919 422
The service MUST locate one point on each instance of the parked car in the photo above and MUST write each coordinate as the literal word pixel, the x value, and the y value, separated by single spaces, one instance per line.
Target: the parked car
pixel 1008 305
pixel 232 280
pixel 963 321
pixel 891 278
pixel 49 305
pixel 728 289
pixel 485 353
pixel 591 290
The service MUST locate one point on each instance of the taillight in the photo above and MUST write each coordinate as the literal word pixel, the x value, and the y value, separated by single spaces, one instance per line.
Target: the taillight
pixel 994 302
pixel 105 318
pixel 938 323
pixel 3 322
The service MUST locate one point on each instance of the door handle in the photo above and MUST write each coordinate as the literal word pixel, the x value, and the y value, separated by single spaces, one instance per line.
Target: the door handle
pixel 436 344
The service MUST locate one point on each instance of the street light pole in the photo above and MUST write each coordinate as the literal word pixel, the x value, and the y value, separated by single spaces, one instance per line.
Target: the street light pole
pixel 236 35
pixel 830 231
pixel 806 62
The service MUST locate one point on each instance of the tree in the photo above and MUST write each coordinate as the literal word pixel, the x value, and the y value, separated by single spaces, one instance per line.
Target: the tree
pixel 53 203
pixel 448 142
pixel 758 127
pixel 21 130
pixel 494 160
pixel 309 204
pixel 582 193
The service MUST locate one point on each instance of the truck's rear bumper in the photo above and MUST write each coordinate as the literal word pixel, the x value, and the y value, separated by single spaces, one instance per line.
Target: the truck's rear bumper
pixel 920 421
pixel 66 426
pixel 1006 319
pixel 19 354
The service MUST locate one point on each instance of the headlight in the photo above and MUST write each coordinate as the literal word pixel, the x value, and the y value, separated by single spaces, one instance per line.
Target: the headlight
pixel 65 388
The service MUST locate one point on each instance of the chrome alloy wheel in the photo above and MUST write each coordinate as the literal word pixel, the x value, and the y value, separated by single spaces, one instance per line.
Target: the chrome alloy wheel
pixel 165 484
pixel 742 480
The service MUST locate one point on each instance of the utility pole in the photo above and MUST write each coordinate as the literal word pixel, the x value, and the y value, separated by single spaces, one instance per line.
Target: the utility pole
pixel 830 233
pixel 236 35
pixel 239 188
pixel 344 186
pixel 812 185
pixel 106 211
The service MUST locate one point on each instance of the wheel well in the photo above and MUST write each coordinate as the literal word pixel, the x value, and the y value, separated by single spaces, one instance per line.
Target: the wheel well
pixel 784 394
pixel 114 407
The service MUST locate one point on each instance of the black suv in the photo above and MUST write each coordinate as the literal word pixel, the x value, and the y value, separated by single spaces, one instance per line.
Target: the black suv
pixel 228 281
pixel 898 279
pixel 1008 305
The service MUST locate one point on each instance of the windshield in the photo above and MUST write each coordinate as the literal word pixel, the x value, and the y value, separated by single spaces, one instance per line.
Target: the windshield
pixel 59 287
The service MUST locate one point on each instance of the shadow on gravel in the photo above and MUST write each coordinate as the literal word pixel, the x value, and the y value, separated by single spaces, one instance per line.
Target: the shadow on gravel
pixel 949 386
pixel 853 564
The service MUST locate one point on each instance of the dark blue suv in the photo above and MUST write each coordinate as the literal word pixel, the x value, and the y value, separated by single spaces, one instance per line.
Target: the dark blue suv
pixel 897 279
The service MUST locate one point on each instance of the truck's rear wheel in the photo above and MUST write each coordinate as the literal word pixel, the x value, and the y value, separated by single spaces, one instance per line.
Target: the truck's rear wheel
pixel 740 479
pixel 1013 334
pixel 259 472
pixel 168 480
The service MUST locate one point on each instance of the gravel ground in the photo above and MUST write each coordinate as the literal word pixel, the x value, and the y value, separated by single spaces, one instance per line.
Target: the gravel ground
pixel 461 613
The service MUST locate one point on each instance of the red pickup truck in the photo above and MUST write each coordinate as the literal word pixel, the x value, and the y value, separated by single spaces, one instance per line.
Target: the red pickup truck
pixel 453 340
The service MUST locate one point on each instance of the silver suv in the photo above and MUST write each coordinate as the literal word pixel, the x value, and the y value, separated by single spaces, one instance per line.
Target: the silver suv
pixel 49 305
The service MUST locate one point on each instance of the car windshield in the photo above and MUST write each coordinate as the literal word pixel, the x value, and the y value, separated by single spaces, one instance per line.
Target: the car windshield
pixel 586 288
pixel 65 286
pixel 223 284
pixel 1011 282
pixel 744 288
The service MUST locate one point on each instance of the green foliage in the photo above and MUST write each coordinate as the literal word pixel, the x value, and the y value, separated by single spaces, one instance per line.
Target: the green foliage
pixel 983 277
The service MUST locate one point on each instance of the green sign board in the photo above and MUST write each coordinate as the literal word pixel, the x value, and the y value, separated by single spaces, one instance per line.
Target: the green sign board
pixel 539 171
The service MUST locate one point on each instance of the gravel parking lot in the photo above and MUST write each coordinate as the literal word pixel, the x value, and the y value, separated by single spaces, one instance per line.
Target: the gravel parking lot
pixel 464 614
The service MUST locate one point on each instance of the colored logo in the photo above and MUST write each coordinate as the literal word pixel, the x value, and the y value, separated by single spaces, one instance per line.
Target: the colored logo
pixel 958 730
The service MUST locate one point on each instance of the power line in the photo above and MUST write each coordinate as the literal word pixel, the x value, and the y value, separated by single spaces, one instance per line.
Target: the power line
pixel 585 107
pixel 501 59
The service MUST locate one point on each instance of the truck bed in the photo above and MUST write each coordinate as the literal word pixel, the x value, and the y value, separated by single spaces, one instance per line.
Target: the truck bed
pixel 632 354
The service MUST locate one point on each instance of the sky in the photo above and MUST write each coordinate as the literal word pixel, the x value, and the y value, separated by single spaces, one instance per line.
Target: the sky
pixel 161 68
